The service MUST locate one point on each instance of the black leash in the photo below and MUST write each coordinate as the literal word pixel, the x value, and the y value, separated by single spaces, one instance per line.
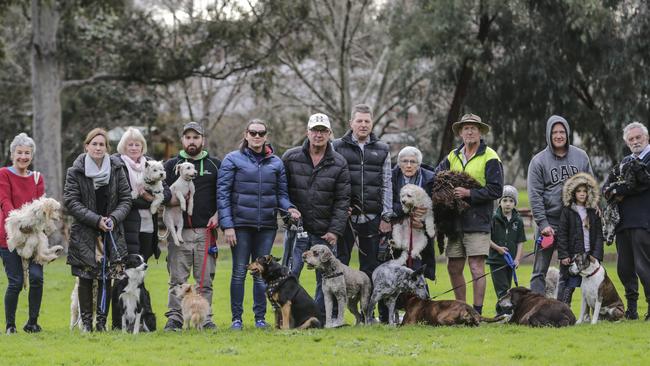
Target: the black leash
pixel 484 275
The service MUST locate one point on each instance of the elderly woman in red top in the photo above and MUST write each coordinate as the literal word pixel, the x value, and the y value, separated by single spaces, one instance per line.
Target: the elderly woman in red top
pixel 18 186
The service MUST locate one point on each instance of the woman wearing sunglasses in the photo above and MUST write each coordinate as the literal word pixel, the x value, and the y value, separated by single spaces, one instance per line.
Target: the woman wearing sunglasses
pixel 251 188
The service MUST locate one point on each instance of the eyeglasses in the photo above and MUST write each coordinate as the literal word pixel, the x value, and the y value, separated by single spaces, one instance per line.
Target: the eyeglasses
pixel 257 133
pixel 407 162
pixel 322 132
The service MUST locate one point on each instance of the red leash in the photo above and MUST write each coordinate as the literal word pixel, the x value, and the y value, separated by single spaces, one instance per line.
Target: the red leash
pixel 409 259
pixel 208 240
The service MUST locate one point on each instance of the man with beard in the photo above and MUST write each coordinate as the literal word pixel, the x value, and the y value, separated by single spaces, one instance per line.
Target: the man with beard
pixel 189 254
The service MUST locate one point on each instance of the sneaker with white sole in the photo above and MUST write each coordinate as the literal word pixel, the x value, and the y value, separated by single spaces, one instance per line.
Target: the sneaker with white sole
pixel 236 325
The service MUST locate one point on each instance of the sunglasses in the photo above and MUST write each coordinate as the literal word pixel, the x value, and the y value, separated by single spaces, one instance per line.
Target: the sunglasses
pixel 257 133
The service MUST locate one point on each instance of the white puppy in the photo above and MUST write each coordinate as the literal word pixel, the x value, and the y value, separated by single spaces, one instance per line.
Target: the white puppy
pixel 412 197
pixel 182 187
pixel 154 173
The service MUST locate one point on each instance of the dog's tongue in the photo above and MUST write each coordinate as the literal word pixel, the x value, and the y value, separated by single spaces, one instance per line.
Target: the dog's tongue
pixel 547 241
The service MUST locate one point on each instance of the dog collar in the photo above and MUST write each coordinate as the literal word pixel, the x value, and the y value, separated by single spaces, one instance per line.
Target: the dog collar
pixel 337 274
pixel 594 272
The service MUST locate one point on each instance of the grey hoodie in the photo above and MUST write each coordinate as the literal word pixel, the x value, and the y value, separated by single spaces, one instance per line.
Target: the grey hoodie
pixel 547 173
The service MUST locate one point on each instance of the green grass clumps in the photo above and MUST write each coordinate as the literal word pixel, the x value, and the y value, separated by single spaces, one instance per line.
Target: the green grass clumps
pixel 624 343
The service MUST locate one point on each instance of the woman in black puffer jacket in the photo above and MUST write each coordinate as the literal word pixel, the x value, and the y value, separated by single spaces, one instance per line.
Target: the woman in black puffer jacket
pixel 98 197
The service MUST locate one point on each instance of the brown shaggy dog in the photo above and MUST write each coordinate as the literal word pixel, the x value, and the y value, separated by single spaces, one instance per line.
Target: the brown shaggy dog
pixel 447 208
pixel 436 313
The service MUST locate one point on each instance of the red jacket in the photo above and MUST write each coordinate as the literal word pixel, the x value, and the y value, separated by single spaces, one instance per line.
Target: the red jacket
pixel 15 191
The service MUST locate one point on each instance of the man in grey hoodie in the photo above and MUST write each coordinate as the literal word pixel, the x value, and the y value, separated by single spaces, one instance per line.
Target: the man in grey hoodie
pixel 546 175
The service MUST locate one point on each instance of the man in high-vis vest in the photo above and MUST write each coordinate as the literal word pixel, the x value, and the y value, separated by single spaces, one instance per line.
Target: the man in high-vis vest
pixel 478 160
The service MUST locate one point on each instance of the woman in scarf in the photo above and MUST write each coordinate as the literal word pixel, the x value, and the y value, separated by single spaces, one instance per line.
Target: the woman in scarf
pixel 98 196
pixel 140 226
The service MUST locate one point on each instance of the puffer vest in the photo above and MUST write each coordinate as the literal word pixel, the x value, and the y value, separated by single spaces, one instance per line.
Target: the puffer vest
pixel 366 171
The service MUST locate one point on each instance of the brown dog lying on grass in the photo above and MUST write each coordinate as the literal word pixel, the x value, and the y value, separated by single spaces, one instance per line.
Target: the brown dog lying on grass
pixel 441 313
pixel 536 310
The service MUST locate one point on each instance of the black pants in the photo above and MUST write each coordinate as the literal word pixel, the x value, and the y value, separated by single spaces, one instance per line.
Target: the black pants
pixel 86 297
pixel 368 234
pixel 633 264
pixel 14 269
pixel 144 247
pixel 502 281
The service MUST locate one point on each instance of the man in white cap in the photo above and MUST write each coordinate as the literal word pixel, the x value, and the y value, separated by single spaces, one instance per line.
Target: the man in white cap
pixel 319 187
pixel 478 160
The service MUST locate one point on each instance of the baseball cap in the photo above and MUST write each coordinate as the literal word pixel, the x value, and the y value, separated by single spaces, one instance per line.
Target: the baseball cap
pixel 193 126
pixel 318 119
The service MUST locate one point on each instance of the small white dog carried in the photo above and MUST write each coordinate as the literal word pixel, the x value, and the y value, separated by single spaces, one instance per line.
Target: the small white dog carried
pixel 27 230
pixel 182 187
pixel 154 174
pixel 404 235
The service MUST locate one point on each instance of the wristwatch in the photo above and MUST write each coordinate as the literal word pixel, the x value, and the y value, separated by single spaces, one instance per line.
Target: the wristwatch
pixel 387 217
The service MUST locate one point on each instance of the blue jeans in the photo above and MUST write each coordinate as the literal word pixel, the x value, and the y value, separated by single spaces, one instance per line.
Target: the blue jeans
pixel 302 245
pixel 14 269
pixel 251 243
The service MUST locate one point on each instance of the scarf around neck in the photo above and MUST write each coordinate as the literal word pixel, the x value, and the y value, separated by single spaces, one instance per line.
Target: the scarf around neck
pixel 202 155
pixel 136 172
pixel 100 176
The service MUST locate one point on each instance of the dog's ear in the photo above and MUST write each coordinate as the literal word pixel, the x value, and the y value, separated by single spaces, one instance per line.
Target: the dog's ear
pixel 177 169
pixel 146 163
pixel 276 259
pixel 418 272
pixel 327 256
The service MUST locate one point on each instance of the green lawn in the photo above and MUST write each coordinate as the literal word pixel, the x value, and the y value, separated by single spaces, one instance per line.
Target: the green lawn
pixel 604 344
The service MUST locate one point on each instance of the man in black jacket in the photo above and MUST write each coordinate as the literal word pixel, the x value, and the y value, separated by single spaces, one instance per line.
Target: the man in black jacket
pixel 633 229
pixel 319 186
pixel 371 204
pixel 189 255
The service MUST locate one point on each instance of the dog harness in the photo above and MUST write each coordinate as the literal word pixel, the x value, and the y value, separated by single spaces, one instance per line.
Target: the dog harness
pixel 273 286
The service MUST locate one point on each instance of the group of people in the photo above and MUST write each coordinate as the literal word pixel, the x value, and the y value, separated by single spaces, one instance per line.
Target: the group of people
pixel 343 191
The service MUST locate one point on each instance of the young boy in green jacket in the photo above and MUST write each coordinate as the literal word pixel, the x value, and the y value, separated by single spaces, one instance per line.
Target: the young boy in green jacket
pixel 507 236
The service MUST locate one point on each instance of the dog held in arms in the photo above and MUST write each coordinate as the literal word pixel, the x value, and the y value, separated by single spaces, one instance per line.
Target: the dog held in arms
pixel 294 308
pixel 598 292
pixel 447 209
pixel 27 230
pixel 407 238
pixel 132 304
pixel 529 308
pixel 392 279
pixel 346 285
pixel 154 174
pixel 183 187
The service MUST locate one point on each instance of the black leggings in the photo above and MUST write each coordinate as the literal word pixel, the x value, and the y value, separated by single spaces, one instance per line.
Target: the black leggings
pixel 86 295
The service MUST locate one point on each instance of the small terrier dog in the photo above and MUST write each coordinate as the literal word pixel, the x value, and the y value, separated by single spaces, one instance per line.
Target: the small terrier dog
pixel 154 174
pixel 183 187
pixel 195 308
pixel 413 197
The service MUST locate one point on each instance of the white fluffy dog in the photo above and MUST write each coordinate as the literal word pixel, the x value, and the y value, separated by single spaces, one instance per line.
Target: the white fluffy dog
pixel 154 173
pixel 27 230
pixel 182 187
pixel 413 197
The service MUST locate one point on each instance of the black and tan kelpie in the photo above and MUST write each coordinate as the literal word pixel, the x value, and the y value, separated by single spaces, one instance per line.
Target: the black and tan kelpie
pixel 294 308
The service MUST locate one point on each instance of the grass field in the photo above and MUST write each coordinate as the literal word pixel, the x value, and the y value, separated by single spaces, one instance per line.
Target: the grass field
pixel 624 343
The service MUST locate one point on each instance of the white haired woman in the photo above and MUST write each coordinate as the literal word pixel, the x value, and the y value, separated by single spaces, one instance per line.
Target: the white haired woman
pixel 410 170
pixel 18 186
pixel 140 226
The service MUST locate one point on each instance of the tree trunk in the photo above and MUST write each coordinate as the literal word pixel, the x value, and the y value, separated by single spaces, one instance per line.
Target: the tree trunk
pixel 462 86
pixel 46 89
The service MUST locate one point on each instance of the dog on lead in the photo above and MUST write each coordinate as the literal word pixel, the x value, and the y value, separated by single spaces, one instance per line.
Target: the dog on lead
pixel 194 307
pixel 529 308
pixel 183 187
pixel 392 279
pixel 132 304
pixel 442 313
pixel 404 235
pixel 294 308
pixel 346 285
pixel 598 292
